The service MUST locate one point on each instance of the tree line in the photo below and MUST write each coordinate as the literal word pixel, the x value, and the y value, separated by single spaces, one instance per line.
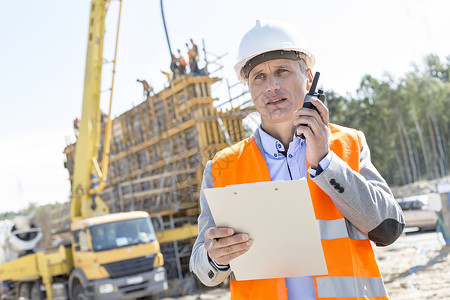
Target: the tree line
pixel 38 209
pixel 406 121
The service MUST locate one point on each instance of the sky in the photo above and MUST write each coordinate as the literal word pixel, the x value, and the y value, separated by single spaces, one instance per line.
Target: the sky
pixel 43 53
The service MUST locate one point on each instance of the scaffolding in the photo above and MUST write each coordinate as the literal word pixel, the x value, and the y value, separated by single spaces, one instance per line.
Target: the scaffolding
pixel 159 150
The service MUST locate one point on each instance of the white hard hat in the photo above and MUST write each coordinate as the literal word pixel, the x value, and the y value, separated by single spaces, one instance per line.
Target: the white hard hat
pixel 271 40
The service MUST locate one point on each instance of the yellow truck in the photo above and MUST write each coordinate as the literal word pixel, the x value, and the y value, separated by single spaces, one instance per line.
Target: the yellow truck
pixel 115 256
pixel 111 256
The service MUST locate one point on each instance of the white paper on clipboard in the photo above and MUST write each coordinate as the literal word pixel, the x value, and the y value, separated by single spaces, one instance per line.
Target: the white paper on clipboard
pixel 279 217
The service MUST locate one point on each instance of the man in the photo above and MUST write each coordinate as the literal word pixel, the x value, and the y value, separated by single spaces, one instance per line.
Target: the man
pixel 195 49
pixel 169 75
pixel 193 66
pixel 182 62
pixel 76 126
pixel 352 202
pixel 175 67
pixel 147 88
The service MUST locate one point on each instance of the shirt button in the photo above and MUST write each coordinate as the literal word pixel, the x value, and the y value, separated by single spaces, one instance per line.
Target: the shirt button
pixel 290 155
pixel 275 155
pixel 279 146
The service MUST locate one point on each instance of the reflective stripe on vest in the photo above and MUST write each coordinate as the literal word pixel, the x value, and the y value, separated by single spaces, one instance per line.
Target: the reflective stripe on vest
pixel 352 269
pixel 338 229
pixel 350 287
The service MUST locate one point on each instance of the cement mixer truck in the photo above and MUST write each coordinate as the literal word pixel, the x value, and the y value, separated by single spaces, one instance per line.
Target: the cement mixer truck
pixel 18 237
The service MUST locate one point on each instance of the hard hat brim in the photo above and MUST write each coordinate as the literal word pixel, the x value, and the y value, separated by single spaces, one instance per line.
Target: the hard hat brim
pixel 307 57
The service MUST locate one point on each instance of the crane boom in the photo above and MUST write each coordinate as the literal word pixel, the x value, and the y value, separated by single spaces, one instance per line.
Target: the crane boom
pixel 86 170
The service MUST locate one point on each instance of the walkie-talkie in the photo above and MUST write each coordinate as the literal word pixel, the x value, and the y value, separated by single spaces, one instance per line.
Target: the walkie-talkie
pixel 312 93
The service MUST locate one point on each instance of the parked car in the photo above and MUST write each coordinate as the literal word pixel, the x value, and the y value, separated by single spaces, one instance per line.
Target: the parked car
pixel 417 214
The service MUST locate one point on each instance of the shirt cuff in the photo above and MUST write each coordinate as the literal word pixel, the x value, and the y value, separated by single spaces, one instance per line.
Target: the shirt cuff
pixel 218 267
pixel 323 165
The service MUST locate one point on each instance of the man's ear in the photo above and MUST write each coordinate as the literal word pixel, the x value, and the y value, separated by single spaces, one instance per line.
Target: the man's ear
pixel 309 76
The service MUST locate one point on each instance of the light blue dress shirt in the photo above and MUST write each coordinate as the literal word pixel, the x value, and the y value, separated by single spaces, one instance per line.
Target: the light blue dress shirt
pixel 291 165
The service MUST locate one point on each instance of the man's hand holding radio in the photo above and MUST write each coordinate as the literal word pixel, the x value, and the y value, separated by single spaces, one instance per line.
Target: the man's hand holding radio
pixel 313 124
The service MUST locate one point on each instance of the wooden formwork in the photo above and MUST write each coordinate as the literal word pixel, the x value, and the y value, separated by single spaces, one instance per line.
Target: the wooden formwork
pixel 159 149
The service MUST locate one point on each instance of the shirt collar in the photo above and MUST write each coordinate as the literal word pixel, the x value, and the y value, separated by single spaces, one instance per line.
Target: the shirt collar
pixel 273 146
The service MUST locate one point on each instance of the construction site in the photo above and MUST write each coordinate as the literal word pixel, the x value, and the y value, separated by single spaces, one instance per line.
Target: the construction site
pixel 142 171
pixel 129 224
pixel 159 150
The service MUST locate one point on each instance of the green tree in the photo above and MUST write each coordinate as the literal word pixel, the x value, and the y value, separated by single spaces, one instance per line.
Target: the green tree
pixel 405 121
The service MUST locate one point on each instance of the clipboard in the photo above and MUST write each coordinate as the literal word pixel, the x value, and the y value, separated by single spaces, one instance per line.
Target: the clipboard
pixel 280 219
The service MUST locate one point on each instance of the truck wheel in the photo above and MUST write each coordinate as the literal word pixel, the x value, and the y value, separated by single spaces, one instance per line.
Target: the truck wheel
pixel 25 291
pixel 36 293
pixel 78 293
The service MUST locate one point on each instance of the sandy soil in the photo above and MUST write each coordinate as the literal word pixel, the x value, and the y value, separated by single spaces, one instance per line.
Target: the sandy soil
pixel 216 294
pixel 416 266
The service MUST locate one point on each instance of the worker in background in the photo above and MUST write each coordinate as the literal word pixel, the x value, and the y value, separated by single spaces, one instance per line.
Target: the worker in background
pixel 174 66
pixel 182 63
pixel 76 126
pixel 169 75
pixel 147 88
pixel 195 50
pixel 193 66
pixel 352 202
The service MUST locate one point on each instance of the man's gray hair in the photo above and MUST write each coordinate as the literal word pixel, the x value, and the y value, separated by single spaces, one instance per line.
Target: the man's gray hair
pixel 303 66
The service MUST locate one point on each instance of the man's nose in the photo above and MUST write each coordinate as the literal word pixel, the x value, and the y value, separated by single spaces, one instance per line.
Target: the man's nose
pixel 272 84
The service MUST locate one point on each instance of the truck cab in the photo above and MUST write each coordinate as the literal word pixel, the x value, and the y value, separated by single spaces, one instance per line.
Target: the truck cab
pixel 116 256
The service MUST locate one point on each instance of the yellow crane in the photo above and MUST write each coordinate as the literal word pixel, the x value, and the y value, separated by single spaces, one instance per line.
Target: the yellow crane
pixel 111 256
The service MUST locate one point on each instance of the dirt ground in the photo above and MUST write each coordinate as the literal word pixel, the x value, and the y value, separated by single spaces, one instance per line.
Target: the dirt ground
pixel 416 266
pixel 216 294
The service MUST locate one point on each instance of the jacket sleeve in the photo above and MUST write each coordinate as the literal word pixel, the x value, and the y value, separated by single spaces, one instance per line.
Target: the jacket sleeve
pixel 199 263
pixel 363 198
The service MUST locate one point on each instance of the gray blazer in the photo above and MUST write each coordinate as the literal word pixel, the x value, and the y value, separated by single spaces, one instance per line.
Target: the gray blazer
pixel 366 202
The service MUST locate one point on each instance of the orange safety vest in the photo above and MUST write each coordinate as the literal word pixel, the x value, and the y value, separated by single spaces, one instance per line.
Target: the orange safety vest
pixel 352 269
pixel 191 54
pixel 182 61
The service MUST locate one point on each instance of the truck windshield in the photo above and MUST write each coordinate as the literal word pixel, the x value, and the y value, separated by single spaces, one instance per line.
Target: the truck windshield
pixel 122 234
